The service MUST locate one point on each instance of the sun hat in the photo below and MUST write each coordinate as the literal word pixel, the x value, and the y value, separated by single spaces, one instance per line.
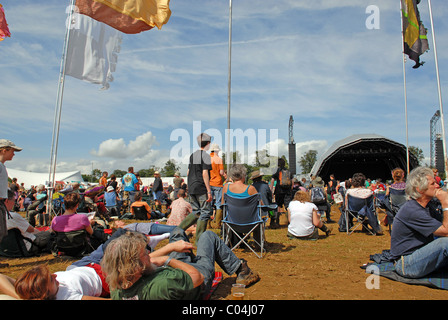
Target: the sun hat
pixel 318 182
pixel 110 188
pixel 214 147
pixel 256 174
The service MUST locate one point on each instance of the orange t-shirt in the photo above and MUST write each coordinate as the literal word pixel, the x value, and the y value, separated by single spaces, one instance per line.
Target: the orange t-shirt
pixel 217 165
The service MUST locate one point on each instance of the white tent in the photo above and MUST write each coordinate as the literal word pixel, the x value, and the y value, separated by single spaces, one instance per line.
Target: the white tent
pixel 35 178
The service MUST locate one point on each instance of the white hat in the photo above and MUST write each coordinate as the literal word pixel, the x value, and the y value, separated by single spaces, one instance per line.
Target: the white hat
pixel 9 144
pixel 214 147
pixel 110 188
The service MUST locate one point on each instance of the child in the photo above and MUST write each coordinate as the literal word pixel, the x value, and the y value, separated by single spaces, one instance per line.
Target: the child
pixel 111 199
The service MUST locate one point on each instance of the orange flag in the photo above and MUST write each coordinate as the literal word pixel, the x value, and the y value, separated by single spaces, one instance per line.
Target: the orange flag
pixel 128 16
pixel 4 30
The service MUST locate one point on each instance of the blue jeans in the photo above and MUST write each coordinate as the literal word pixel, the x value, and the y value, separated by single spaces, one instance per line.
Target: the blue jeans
pixel 158 228
pixel 425 260
pixel 217 196
pixel 210 249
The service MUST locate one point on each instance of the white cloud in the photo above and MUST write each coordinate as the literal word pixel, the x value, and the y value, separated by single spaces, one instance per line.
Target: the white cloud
pixel 117 148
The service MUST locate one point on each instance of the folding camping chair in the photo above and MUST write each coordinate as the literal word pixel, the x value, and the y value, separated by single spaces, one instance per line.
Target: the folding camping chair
pixel 241 218
pixel 57 207
pixel 140 213
pixel 72 243
pixel 397 197
pixel 352 211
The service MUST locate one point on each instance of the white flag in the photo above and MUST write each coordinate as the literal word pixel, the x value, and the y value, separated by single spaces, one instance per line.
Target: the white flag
pixel 92 50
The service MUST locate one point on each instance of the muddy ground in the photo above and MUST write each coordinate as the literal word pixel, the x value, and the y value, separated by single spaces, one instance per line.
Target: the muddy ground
pixel 326 269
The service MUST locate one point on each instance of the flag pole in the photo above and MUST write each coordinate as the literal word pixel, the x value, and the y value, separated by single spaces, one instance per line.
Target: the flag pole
pixel 229 157
pixel 58 109
pixel 438 86
pixel 405 91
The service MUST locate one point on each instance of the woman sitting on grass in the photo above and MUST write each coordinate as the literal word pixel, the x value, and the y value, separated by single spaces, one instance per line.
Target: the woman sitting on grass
pixel 70 220
pixel 304 221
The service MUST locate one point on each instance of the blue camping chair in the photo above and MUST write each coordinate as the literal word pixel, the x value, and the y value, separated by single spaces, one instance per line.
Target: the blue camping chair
pixel 393 203
pixel 241 218
pixel 362 210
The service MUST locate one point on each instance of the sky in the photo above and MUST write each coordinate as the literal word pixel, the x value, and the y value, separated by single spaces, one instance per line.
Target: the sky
pixel 319 61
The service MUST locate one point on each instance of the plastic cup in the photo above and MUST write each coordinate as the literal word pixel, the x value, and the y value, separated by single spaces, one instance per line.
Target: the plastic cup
pixel 238 291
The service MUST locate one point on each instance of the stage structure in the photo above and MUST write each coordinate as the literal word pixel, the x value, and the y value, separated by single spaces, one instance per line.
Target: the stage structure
pixel 436 143
pixel 371 154
pixel 292 148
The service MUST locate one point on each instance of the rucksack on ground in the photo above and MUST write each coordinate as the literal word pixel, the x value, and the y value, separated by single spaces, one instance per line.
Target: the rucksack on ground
pixel 318 196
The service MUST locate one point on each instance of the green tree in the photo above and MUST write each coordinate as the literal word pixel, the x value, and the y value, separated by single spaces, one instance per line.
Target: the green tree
pixel 262 158
pixel 119 173
pixel 308 160
pixel 170 168
pixel 148 172
pixel 418 153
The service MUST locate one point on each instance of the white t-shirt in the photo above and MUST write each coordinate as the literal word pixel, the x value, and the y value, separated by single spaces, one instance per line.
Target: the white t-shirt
pixel 301 224
pixel 17 221
pixel 76 282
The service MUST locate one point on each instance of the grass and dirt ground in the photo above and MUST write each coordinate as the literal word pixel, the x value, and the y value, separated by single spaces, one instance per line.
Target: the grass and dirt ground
pixel 326 269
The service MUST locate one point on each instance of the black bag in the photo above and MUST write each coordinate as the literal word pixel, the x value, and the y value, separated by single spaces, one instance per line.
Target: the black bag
pixel 12 245
pixel 72 243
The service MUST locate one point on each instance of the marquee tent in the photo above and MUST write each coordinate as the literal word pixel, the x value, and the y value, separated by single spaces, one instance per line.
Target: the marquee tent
pixel 371 154
pixel 35 178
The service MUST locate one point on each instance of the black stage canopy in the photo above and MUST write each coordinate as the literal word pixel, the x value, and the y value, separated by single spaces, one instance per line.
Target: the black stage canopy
pixel 371 154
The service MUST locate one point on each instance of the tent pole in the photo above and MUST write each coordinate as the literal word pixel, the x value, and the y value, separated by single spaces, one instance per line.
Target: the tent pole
pixel 58 109
pixel 229 156
pixel 405 91
pixel 438 87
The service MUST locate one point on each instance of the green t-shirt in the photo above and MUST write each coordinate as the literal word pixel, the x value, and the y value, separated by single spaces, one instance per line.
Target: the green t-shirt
pixel 163 284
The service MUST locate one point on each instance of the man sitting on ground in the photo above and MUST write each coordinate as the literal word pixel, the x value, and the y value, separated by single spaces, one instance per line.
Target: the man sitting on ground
pixel 413 248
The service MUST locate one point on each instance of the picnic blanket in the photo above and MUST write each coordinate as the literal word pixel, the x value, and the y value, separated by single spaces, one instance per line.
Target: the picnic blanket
pixel 216 280
pixel 437 279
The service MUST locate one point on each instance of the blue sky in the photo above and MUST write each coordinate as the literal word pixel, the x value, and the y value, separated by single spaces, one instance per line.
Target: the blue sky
pixel 315 60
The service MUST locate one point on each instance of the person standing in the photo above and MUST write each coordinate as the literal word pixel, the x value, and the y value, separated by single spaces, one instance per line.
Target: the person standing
pixel 177 181
pixel 7 150
pixel 282 191
pixel 157 190
pixel 216 175
pixel 128 181
pixel 199 191
pixel 103 179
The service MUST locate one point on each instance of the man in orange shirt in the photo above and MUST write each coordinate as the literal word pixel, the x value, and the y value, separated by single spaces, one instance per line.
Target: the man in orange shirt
pixel 216 175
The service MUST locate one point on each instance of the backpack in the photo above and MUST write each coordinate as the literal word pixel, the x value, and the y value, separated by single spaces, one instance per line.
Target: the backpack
pixel 284 178
pixel 318 196
pixel 12 245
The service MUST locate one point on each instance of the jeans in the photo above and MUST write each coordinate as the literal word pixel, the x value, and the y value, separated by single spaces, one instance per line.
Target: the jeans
pixel 210 249
pixel 201 208
pixel 217 196
pixel 425 260
pixel 157 228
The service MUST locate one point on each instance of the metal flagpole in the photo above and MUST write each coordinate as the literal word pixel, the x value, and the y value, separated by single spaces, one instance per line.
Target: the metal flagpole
pixel 438 86
pixel 405 91
pixel 229 157
pixel 58 109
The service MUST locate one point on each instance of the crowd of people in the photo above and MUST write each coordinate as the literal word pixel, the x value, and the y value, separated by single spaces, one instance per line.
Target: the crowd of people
pixel 127 266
